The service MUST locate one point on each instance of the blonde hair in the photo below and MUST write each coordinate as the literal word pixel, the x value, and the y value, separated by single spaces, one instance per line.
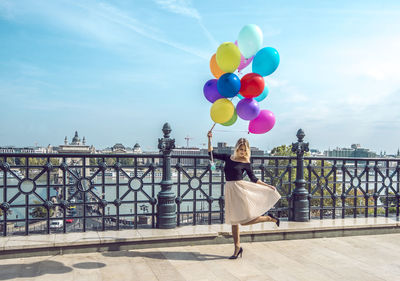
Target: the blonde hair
pixel 245 143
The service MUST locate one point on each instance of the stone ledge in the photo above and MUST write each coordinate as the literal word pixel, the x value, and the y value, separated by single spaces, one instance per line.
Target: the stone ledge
pixel 52 244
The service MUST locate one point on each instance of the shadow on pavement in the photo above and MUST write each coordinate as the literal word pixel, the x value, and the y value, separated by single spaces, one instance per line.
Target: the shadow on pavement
pixel 89 265
pixel 11 271
pixel 195 256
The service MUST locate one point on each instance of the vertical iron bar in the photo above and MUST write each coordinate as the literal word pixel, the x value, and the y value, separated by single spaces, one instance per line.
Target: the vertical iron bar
pixel 355 190
pixel 387 190
pixel 376 189
pixel 136 209
pixel 367 188
pixel 84 193
pixel 5 198
pixel 103 194
pixel 343 196
pixel 321 214
pixel 334 191
pixel 117 189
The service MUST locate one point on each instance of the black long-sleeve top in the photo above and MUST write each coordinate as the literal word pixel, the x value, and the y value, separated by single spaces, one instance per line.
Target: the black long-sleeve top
pixel 234 169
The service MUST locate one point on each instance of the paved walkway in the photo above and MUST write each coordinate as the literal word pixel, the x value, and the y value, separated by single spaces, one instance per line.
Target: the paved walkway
pixel 371 257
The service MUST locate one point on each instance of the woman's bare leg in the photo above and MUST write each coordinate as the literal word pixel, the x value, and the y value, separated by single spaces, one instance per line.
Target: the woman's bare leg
pixel 259 219
pixel 236 237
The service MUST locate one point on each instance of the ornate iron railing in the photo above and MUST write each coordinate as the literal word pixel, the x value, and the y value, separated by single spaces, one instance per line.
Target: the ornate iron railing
pixel 44 193
pixel 341 187
pixel 77 192
pixel 200 192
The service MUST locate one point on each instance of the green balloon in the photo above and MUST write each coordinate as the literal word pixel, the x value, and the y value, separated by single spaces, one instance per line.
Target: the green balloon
pixel 232 121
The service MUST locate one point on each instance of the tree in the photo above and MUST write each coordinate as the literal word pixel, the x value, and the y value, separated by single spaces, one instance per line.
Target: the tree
pixel 111 161
pixel 11 160
pixel 278 173
pixel 282 173
pixel 40 211
pixel 127 161
pixel 33 161
pixel 94 161
pixel 391 202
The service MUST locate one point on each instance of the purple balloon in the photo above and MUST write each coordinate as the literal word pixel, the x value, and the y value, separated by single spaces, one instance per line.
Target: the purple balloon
pixel 210 91
pixel 264 122
pixel 247 109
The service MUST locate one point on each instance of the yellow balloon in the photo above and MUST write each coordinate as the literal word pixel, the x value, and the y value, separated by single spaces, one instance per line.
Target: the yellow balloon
pixel 222 111
pixel 228 57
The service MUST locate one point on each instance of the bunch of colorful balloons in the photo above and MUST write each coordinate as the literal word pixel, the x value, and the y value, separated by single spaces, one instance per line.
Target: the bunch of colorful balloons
pixel 250 88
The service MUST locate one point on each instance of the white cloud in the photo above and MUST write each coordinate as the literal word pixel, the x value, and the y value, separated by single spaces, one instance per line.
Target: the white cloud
pixel 181 7
pixel 184 7
pixel 99 21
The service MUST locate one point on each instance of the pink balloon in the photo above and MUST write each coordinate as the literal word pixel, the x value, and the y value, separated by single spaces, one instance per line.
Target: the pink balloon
pixel 243 61
pixel 264 122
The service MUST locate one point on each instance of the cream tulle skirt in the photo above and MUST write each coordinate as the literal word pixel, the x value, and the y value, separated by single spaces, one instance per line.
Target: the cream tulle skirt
pixel 246 200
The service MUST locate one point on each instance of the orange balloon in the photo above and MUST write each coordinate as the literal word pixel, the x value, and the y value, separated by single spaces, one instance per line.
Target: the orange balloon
pixel 215 70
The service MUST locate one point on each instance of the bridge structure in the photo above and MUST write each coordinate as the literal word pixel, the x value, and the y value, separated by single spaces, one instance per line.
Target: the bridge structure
pixel 116 202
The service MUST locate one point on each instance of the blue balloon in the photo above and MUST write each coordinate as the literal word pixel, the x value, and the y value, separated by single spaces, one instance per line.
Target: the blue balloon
pixel 263 95
pixel 228 85
pixel 266 61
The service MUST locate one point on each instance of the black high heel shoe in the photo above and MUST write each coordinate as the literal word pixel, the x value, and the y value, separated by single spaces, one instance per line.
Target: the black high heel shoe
pixel 278 221
pixel 234 257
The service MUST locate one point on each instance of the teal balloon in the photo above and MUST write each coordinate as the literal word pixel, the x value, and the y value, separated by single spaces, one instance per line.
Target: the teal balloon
pixel 263 95
pixel 240 96
pixel 250 40
pixel 266 61
pixel 212 166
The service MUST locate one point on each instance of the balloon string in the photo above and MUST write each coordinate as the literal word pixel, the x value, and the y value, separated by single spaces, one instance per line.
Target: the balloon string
pixel 229 131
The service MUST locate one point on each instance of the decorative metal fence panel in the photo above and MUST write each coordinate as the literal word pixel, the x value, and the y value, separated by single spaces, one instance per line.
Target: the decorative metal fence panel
pixel 343 187
pixel 64 193
pixel 200 191
pixel 45 193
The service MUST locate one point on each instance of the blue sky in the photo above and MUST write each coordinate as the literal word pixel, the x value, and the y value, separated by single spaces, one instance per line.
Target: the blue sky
pixel 116 71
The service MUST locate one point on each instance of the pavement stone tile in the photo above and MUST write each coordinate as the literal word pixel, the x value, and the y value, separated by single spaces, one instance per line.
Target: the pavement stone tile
pixel 158 234
pixel 119 236
pixel 28 242
pixel 77 238
pixel 372 257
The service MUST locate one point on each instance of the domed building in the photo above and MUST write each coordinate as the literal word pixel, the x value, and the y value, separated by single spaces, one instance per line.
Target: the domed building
pixel 137 149
pixel 76 146
pixel 118 148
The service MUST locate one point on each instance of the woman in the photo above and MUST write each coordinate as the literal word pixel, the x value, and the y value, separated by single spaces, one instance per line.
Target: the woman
pixel 245 202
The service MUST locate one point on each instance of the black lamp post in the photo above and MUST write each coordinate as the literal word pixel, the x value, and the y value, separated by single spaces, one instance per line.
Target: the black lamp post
pixel 300 203
pixel 166 207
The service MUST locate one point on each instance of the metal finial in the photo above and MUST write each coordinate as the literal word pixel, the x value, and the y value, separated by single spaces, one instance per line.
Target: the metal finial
pixel 300 134
pixel 166 130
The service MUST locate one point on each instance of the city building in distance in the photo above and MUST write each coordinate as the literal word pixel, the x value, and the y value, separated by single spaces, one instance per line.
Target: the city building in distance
pixel 354 151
